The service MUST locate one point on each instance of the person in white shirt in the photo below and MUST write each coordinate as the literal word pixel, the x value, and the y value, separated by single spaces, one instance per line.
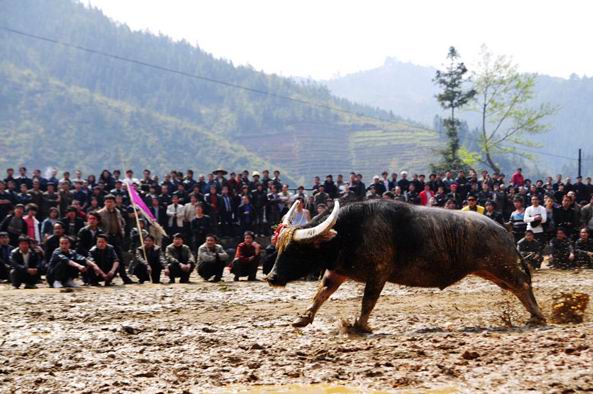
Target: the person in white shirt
pixel 175 212
pixel 535 217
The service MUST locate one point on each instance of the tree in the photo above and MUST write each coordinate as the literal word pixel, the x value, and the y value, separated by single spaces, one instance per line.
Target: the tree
pixel 453 96
pixel 503 100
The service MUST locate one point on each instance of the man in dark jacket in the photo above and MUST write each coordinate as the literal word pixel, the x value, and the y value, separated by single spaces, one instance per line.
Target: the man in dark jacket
pixel 149 262
pixel 180 260
pixel 15 225
pixel 25 264
pixel 531 249
pixel 106 260
pixel 5 250
pixel 65 265
pixel 87 236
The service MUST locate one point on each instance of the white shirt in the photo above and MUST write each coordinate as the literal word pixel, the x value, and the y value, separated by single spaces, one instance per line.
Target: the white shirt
pixel 175 211
pixel 530 213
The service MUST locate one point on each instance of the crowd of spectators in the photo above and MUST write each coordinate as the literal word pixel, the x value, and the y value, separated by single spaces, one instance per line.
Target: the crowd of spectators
pixel 69 226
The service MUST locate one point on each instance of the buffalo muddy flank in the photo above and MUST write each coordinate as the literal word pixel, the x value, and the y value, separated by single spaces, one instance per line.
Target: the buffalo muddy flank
pixel 233 336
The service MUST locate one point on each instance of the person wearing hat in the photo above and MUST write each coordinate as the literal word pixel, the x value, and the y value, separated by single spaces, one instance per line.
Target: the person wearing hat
pixel 14 224
pixel 25 265
pixel 180 260
pixel 472 205
pixel 220 180
pixel 5 250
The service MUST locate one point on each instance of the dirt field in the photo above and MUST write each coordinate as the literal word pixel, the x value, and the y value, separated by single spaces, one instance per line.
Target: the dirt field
pixel 236 336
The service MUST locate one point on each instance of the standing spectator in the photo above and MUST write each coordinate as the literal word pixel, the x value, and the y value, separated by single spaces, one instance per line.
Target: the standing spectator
pixel 260 202
pixel 587 215
pixel 180 260
pixel 403 182
pixel 472 205
pixel 214 207
pixel 33 226
pixel 492 214
pixel 227 212
pixel 5 250
pixel 518 225
pixel 200 227
pixel 321 197
pixel 113 225
pixel 330 186
pixel 246 258
pixel 246 214
pixel 426 195
pixel 535 217
pixel 72 224
pixel 176 215
pixel 25 265
pixel 211 259
pixel 517 178
pixel 6 201
pixel 87 236
pixel 14 224
pixel 565 216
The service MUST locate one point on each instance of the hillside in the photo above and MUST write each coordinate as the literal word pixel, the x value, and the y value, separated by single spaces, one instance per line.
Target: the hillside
pixel 407 90
pixel 302 140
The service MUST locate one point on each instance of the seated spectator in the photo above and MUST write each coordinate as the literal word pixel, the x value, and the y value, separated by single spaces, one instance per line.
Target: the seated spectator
pixel 65 265
pixel 472 205
pixel 5 250
pixel 149 262
pixel 106 262
pixel 531 249
pixel 180 260
pixel 584 249
pixel 212 259
pixel 246 258
pixel 562 251
pixel 25 264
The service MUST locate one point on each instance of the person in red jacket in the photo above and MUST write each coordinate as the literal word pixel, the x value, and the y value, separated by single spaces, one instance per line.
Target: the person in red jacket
pixel 517 179
pixel 426 195
pixel 246 258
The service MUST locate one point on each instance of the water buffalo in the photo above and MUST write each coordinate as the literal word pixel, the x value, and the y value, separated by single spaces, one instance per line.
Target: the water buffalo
pixel 379 241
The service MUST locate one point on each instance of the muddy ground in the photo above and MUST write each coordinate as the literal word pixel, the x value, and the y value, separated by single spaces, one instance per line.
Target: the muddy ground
pixel 233 336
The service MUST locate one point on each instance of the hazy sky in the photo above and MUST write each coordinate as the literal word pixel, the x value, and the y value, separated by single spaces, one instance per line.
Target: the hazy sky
pixel 323 38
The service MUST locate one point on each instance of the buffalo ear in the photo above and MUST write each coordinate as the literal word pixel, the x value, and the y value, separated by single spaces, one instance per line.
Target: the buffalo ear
pixel 328 236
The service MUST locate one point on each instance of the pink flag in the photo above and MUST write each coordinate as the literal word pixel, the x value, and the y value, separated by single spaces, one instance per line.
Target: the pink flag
pixel 138 201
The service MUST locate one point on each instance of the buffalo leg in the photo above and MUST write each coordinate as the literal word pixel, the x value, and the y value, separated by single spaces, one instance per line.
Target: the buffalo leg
pixel 518 283
pixel 372 291
pixel 329 284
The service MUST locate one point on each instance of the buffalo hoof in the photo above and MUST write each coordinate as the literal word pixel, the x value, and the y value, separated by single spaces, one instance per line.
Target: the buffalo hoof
pixel 355 329
pixel 536 321
pixel 302 321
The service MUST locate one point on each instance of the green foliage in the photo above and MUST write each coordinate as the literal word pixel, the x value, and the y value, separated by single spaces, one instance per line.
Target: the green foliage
pixel 453 96
pixel 505 105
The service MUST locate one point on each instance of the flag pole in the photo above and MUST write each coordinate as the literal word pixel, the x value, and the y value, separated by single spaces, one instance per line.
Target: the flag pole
pixel 137 222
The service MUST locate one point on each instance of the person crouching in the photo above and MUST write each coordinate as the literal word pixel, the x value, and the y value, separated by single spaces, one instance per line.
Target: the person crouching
pixel 25 264
pixel 65 265
pixel 180 261
pixel 149 261
pixel 105 260
pixel 211 259
pixel 246 258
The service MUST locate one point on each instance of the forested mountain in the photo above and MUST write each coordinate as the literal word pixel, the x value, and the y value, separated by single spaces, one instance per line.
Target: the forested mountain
pixel 87 106
pixel 408 91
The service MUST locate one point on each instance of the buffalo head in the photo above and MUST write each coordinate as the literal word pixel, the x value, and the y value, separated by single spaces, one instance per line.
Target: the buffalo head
pixel 299 249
